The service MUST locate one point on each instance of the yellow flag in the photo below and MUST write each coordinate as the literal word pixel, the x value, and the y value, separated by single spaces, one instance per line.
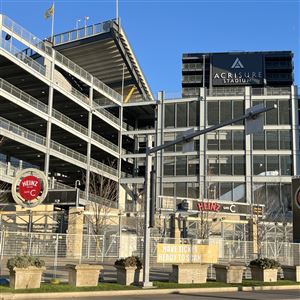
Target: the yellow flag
pixel 49 12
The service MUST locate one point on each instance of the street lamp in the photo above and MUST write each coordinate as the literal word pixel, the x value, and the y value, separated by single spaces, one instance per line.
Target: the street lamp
pixel 85 20
pixel 77 23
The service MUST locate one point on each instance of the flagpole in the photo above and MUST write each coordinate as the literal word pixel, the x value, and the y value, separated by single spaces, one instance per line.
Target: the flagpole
pixel 117 11
pixel 52 25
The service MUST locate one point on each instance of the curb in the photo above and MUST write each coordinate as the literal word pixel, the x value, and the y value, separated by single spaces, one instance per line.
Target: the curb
pixel 145 292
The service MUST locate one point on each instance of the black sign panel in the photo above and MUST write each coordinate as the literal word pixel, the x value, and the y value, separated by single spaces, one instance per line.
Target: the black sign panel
pixel 237 69
pixel 296 209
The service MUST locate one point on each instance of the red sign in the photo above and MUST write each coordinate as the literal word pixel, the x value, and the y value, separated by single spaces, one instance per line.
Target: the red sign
pixel 208 206
pixel 30 188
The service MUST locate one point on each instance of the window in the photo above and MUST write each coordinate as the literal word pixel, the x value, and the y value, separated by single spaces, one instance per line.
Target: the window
pixel 238 110
pixel 193 190
pixel 213 112
pixel 169 137
pixel 272 165
pixel 259 165
pixel 225 138
pixel 181 189
pixel 193 167
pixel 286 165
pixel 239 194
pixel 284 112
pixel 259 193
pixel 285 139
pixel 225 111
pixel 169 165
pixel 238 165
pixel 168 189
pixel 259 141
pixel 212 165
pixel 181 165
pixel 225 165
pixel 238 140
pixel 272 115
pixel 193 113
pixel 170 115
pixel 213 190
pixel 272 139
pixel 181 114
pixel 225 191
pixel 212 141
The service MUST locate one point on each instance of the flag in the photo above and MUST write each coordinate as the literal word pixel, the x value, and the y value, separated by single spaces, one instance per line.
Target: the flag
pixel 49 12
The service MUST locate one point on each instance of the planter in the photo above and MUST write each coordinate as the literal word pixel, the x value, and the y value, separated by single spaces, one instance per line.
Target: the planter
pixel 26 278
pixel 265 275
pixel 229 273
pixel 189 273
pixel 128 275
pixel 291 273
pixel 84 274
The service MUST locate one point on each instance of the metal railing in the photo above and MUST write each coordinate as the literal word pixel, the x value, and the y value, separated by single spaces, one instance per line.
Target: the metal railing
pixel 81 33
pixel 56 114
pixel 66 62
pixel 34 137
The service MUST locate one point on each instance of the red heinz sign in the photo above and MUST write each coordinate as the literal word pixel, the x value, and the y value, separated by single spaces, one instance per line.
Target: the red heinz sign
pixel 30 188
pixel 208 206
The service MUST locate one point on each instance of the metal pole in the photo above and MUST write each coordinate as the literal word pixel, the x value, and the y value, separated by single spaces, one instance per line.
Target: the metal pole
pixel 52 25
pixel 146 267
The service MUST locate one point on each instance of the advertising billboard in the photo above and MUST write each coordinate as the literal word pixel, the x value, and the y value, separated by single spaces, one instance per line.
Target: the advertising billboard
pixel 237 69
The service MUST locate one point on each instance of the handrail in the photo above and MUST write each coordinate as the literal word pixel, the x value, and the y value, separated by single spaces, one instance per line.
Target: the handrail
pixel 6 86
pixel 41 45
pixel 32 136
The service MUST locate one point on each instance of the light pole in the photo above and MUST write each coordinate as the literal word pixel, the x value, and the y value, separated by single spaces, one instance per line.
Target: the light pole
pixel 85 20
pixel 77 23
pixel 252 122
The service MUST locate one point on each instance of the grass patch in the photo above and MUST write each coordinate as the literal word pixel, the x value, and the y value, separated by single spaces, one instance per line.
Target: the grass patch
pixel 64 287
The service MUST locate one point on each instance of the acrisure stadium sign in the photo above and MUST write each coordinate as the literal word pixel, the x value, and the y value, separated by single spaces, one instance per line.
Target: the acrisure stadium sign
pixel 237 69
pixel 29 188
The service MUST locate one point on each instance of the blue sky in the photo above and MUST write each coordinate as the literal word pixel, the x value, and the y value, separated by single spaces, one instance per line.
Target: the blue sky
pixel 160 31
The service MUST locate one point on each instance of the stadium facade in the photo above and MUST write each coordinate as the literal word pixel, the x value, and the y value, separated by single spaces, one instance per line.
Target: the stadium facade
pixel 79 105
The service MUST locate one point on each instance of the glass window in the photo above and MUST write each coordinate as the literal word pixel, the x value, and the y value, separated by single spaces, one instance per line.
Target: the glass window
pixel 272 139
pixel 225 165
pixel 170 137
pixel 169 165
pixel 225 140
pixel 286 165
pixel 259 141
pixel 225 111
pixel 259 165
pixel 193 114
pixel 285 139
pixel 259 193
pixel 168 189
pixel 213 112
pixel 285 194
pixel 181 114
pixel 273 200
pixel 238 140
pixel 193 168
pixel 181 189
pixel 225 191
pixel 238 110
pixel 272 165
pixel 179 145
pixel 193 190
pixel 272 115
pixel 284 112
pixel 238 165
pixel 170 115
pixel 239 194
pixel 212 141
pixel 181 165
pixel 213 190
pixel 212 166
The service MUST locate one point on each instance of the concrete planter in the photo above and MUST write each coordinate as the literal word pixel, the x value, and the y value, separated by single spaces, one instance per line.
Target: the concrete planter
pixel 84 274
pixel 291 273
pixel 229 273
pixel 189 273
pixel 128 275
pixel 265 275
pixel 26 278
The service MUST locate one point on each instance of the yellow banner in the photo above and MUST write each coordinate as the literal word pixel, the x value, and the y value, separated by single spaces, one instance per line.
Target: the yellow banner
pixel 183 253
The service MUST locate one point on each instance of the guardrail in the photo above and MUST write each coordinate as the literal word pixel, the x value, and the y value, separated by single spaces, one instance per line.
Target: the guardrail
pixel 34 137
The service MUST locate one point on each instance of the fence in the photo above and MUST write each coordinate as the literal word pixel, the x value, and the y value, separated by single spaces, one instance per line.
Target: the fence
pixel 59 249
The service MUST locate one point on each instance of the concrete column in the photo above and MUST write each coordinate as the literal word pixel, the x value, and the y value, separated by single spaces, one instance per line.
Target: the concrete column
pixel 49 121
pixel 120 142
pixel 295 130
pixel 75 232
pixel 248 149
pixel 175 227
pixel 202 145
pixel 88 151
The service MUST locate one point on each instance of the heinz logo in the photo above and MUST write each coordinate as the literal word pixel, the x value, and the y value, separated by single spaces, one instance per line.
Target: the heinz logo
pixel 30 183
pixel 208 206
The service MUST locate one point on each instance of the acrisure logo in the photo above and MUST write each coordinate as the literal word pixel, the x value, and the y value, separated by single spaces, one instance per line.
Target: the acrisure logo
pixel 237 64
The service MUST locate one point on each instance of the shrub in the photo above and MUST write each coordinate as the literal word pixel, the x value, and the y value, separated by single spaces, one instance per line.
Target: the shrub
pixel 24 262
pixel 265 263
pixel 131 261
